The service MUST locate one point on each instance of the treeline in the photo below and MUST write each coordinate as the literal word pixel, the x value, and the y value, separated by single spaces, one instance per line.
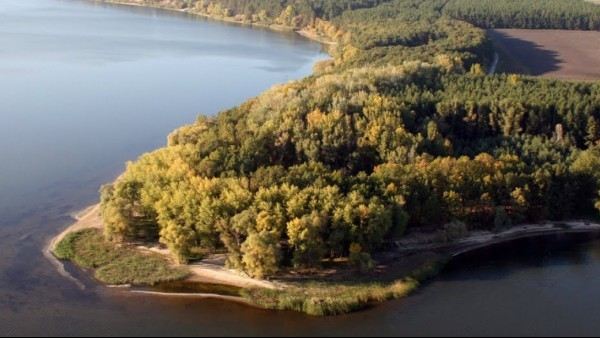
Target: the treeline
pixel 401 131
pixel 301 12
pixel 529 14
pixel 292 13
pixel 400 31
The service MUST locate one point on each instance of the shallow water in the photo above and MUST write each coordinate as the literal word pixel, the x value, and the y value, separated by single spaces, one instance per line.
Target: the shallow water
pixel 85 87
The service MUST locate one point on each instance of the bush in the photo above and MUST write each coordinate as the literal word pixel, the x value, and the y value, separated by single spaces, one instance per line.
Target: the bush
pixel 261 255
pixel 362 261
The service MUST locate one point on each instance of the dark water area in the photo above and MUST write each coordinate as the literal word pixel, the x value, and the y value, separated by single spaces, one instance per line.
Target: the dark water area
pixel 85 87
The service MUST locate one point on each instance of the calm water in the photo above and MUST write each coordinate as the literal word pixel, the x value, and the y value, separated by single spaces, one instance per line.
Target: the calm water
pixel 85 87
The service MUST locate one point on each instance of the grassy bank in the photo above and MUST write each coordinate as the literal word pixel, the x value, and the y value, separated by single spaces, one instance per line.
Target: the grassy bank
pixel 116 264
pixel 330 298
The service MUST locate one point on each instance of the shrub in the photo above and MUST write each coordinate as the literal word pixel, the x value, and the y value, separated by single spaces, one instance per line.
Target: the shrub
pixel 362 261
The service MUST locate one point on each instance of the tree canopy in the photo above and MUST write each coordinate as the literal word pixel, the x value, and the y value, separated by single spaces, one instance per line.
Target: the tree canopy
pixel 401 131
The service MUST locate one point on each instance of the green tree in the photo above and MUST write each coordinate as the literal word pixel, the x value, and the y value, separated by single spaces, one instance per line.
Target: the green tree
pixel 305 236
pixel 123 215
pixel 261 254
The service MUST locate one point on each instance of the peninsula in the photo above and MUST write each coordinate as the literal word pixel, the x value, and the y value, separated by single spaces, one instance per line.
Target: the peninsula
pixel 351 186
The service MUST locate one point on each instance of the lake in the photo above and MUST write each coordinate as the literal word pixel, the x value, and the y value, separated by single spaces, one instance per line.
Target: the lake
pixel 85 87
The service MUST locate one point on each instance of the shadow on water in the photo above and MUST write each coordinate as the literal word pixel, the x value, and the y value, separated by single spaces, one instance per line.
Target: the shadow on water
pixel 524 56
pixel 499 261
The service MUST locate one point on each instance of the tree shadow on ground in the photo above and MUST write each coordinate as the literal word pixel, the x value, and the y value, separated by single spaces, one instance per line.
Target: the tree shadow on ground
pixel 524 56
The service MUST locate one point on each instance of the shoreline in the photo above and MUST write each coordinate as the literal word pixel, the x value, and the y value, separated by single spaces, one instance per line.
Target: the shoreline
pixel 215 274
pixel 531 233
pixel 481 239
pixel 238 300
pixel 304 32
pixel 81 218
pixel 90 218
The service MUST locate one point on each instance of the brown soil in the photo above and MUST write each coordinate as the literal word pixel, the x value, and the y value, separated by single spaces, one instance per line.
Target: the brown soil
pixel 560 54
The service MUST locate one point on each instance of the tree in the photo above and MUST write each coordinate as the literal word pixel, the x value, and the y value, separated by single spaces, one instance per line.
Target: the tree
pixel 261 254
pixel 359 259
pixel 593 132
pixel 179 239
pixel 587 163
pixel 305 236
pixel 233 233
pixel 519 203
pixel 367 221
pixel 287 16
pixel 123 215
pixel 477 70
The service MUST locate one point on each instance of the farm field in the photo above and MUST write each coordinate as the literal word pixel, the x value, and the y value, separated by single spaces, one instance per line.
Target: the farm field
pixel 561 54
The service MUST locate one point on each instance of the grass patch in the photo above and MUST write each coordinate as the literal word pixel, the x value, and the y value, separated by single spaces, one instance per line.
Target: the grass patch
pixel 116 264
pixel 329 299
pixel 64 249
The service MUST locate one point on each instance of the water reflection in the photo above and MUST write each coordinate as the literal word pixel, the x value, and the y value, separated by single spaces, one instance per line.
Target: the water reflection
pixel 497 262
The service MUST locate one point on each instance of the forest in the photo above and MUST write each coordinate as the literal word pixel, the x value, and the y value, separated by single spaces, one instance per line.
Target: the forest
pixel 401 131
pixel 529 14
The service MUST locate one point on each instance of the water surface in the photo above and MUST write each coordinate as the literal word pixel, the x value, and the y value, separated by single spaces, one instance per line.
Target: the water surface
pixel 85 87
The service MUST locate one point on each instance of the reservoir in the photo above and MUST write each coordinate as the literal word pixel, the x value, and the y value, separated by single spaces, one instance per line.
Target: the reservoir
pixel 85 87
